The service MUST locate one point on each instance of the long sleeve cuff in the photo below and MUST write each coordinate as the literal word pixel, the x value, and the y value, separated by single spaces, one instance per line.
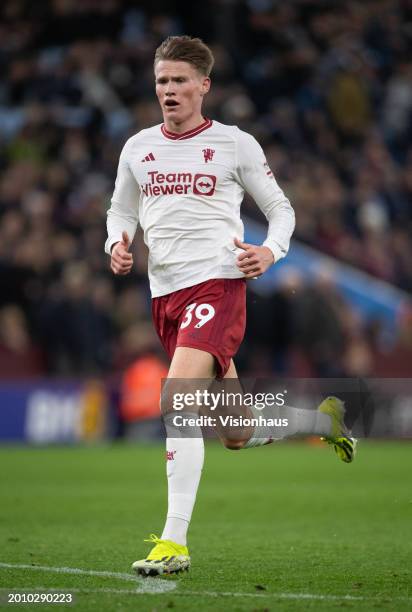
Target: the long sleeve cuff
pixel 277 251
pixel 110 242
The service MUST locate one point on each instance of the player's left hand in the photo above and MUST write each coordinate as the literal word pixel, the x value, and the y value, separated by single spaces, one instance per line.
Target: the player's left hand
pixel 255 260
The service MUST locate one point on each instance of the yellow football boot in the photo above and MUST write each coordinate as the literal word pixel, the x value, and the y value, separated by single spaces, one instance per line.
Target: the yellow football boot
pixel 166 557
pixel 343 443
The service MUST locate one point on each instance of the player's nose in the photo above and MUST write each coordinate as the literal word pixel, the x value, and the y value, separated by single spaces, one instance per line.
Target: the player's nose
pixel 169 91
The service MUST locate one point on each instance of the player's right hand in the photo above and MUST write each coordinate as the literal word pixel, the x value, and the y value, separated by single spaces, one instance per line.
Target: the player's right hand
pixel 121 260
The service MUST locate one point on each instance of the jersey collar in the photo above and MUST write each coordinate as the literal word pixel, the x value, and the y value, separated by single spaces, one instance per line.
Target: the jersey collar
pixel 189 134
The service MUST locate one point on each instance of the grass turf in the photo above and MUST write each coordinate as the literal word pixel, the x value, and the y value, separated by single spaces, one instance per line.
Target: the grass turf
pixel 270 524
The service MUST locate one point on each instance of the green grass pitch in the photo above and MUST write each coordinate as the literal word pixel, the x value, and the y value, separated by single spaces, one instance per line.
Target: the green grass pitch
pixel 284 527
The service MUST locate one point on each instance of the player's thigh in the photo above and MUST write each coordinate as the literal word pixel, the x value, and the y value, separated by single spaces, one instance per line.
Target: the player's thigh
pixel 232 372
pixel 191 363
pixel 191 371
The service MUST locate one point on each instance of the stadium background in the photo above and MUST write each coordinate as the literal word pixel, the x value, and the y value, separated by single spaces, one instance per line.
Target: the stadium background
pixel 325 87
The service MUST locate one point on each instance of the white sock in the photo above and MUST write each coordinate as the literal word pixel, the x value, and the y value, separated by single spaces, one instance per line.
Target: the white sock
pixel 301 422
pixel 304 422
pixel 185 458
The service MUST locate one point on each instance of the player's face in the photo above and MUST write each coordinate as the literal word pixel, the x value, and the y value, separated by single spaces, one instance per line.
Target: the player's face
pixel 180 89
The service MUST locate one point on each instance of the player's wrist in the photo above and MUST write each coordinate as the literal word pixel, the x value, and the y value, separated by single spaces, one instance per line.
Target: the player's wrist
pixel 274 249
pixel 269 257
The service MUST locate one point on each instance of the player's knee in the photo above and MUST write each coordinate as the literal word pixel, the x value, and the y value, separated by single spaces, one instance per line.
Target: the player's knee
pixel 234 444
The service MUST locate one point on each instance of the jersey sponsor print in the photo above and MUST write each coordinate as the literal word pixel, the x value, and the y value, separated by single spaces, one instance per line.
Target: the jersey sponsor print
pixel 180 183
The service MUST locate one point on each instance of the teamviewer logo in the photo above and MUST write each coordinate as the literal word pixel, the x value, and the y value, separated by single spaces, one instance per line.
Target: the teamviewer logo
pixel 204 184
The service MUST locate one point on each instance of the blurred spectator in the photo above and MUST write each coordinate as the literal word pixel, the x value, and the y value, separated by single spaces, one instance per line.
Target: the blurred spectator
pixel 140 386
pixel 77 325
pixel 19 357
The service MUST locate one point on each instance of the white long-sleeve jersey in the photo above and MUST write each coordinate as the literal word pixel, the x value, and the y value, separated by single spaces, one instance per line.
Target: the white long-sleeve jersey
pixel 185 190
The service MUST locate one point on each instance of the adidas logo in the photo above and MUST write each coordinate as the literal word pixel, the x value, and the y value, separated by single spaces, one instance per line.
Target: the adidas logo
pixel 149 157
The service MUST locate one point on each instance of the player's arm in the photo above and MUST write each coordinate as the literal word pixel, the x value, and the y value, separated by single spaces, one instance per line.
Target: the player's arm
pixel 122 217
pixel 257 179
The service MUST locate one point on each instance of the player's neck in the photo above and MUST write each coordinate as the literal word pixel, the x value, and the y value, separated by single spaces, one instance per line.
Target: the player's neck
pixel 185 126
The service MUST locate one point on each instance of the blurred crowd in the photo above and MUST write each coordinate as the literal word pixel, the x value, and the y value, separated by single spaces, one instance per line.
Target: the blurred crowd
pixel 326 87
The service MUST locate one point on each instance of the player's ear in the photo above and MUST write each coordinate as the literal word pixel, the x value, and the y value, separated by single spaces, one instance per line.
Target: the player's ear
pixel 205 85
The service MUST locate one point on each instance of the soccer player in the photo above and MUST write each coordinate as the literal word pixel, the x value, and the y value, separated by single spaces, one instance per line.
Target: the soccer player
pixel 184 182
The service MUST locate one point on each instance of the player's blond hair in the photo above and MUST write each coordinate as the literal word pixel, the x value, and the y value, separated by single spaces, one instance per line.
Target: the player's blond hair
pixel 186 49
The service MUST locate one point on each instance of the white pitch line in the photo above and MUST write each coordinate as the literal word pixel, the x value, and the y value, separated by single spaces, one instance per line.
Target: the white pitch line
pixel 70 570
pixel 143 585
pixel 65 589
pixel 296 596
pixel 158 586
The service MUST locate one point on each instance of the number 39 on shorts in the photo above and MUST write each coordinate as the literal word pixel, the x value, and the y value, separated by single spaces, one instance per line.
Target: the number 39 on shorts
pixel 202 314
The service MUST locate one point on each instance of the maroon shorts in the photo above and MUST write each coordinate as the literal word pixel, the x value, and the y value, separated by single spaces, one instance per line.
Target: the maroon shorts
pixel 210 317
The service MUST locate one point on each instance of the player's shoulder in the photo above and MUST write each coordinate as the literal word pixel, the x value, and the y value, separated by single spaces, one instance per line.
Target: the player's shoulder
pixel 234 132
pixel 231 131
pixel 142 136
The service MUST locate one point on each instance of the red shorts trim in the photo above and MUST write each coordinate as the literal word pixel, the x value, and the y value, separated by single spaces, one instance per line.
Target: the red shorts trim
pixel 210 316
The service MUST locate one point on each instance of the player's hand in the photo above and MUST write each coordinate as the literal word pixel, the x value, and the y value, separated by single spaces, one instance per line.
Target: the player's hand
pixel 255 260
pixel 121 261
